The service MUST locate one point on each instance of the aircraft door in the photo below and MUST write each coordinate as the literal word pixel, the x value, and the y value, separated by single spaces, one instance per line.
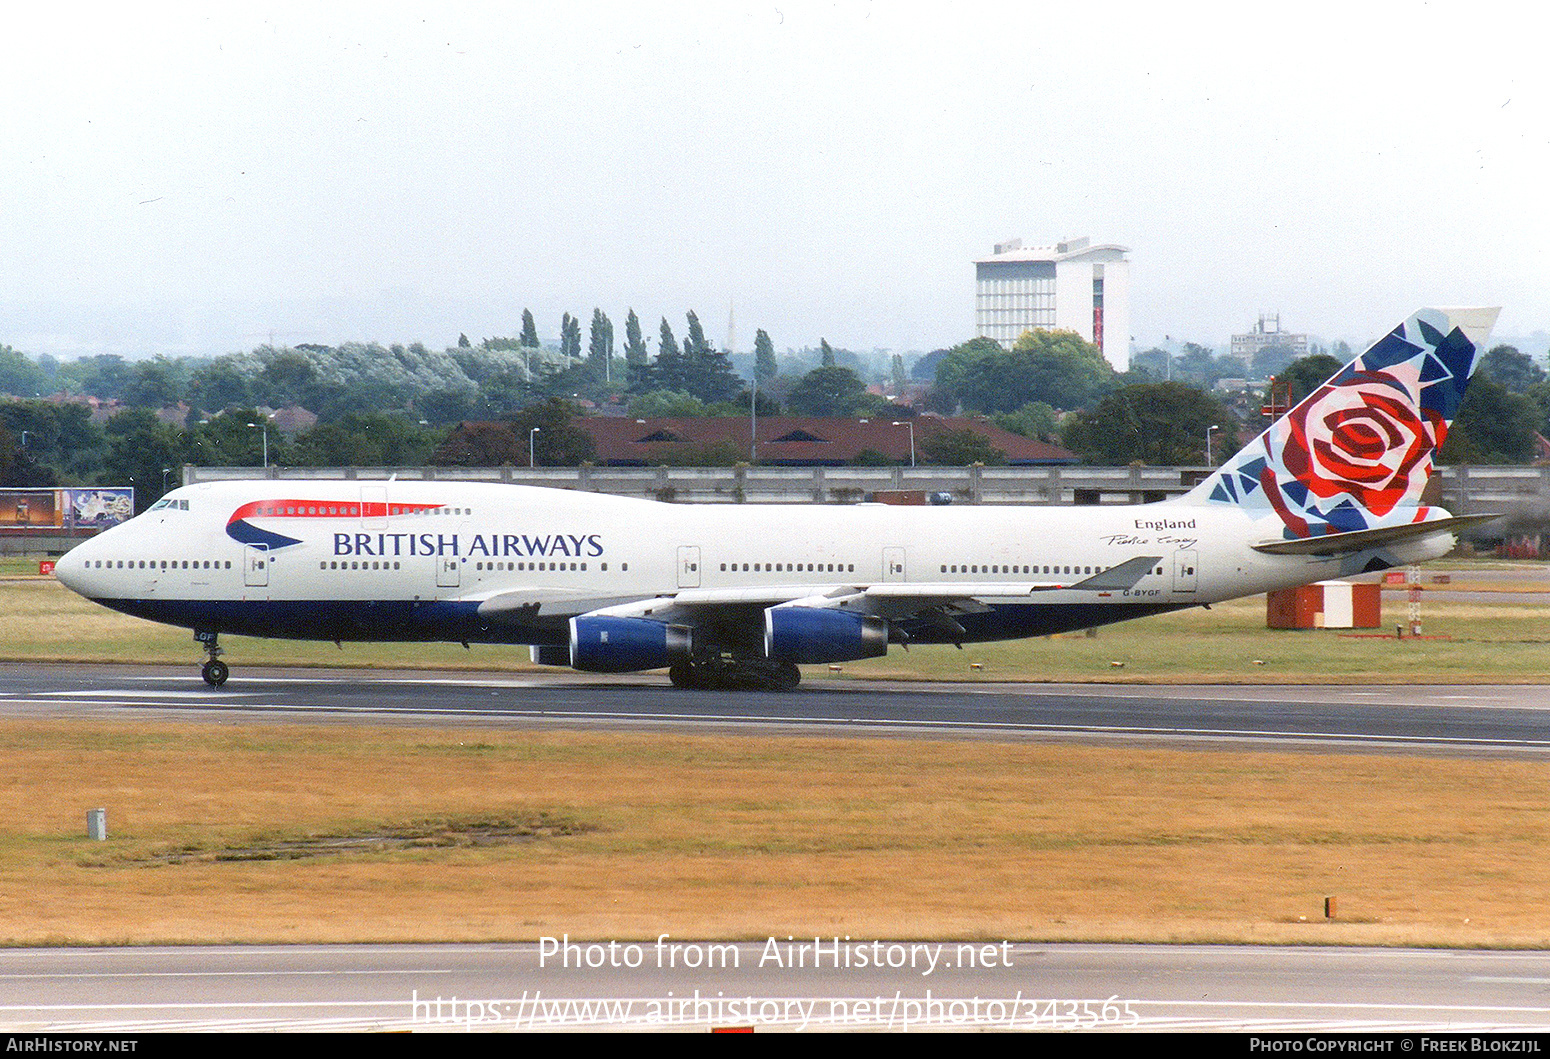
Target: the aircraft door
pixel 374 508
pixel 688 566
pixel 1184 570
pixel 449 571
pixel 255 566
pixel 893 564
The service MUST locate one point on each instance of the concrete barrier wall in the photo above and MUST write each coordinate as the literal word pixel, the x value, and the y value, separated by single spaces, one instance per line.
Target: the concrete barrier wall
pixel 1523 491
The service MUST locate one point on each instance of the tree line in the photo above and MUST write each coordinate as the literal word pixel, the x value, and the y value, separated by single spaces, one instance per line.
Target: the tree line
pixel 393 405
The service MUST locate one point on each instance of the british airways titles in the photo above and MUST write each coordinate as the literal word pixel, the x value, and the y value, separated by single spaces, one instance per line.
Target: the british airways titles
pixel 492 545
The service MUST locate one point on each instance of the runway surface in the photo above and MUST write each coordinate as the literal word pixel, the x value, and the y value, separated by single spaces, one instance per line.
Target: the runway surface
pixel 775 984
pixel 1503 719
pixel 838 983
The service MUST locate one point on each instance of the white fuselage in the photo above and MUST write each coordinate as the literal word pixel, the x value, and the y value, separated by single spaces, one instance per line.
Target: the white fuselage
pixel 417 560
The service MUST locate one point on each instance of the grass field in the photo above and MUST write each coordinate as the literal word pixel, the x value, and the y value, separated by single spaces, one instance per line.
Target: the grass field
pixel 1496 642
pixel 309 832
pixel 297 833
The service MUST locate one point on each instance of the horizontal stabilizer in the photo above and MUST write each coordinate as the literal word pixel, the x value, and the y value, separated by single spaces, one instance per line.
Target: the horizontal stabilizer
pixel 1119 578
pixel 1361 540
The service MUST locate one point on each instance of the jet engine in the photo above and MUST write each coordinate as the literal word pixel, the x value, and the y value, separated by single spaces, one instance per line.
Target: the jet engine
pixel 626 645
pixel 813 635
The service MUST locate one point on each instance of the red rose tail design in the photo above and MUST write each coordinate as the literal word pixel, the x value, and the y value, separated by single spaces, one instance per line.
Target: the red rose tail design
pixel 1356 453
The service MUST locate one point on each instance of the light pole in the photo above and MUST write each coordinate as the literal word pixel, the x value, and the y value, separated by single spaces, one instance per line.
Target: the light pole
pixel 164 472
pixel 530 435
pixel 1209 461
pixel 912 438
pixel 264 426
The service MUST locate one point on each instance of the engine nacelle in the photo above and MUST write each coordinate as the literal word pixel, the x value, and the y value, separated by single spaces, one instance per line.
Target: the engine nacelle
pixel 625 645
pixel 813 635
pixel 550 654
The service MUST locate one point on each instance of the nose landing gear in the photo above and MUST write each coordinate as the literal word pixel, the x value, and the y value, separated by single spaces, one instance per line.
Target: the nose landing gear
pixel 214 670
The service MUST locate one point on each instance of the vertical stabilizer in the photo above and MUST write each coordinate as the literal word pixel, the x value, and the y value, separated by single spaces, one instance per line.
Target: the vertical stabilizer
pixel 1356 453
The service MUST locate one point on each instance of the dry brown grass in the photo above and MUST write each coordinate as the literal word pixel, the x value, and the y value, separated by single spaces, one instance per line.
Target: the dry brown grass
pixel 753 836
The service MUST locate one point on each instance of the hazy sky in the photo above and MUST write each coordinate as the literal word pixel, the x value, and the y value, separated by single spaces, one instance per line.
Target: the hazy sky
pixel 185 178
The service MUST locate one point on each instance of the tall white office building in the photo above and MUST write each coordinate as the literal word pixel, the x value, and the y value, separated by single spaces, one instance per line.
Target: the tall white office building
pixel 1071 286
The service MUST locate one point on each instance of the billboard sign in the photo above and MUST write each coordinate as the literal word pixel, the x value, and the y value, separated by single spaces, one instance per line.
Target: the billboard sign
pixel 64 510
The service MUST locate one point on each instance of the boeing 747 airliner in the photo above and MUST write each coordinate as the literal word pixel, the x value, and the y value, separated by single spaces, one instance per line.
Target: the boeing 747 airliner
pixel 738 594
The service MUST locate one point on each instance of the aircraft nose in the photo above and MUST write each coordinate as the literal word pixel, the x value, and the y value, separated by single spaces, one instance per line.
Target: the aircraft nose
pixel 70 570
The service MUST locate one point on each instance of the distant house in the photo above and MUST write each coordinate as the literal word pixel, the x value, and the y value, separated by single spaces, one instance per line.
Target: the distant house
pixel 173 415
pixel 292 419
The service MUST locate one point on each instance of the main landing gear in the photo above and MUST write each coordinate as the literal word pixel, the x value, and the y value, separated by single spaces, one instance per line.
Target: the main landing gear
pixel 214 670
pixel 735 674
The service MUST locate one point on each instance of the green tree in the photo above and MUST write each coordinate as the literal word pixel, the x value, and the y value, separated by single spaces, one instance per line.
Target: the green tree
pixel 141 452
pixel 708 371
pixel 103 376
pixel 364 439
pixel 1514 370
pixel 60 437
pixel 1156 423
pixel 635 351
pixel 1306 374
pixel 19 376
pixel 670 404
pixel 1493 425
pixel 667 372
pixel 1272 360
pixel 558 443
pixel 832 391
pixel 218 385
pixel 234 438
pixel 1154 362
pixel 764 366
pixel 285 379
pixel 570 338
pixel 448 405
pixel 959 448
pixel 529 330
pixel 1033 420
pixel 695 343
pixel 827 353
pixel 481 445
pixel 600 346
pixel 1058 368
pixel 924 369
pixel 152 384
pixel 18 469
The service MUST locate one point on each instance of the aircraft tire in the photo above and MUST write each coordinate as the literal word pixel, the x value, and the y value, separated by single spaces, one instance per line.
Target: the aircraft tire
pixel 787 677
pixel 215 672
pixel 682 675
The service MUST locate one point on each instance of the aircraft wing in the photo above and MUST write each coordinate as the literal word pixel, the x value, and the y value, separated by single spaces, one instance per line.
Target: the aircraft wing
pixel 1114 579
pixel 895 599
pixel 521 605
pixel 1361 540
